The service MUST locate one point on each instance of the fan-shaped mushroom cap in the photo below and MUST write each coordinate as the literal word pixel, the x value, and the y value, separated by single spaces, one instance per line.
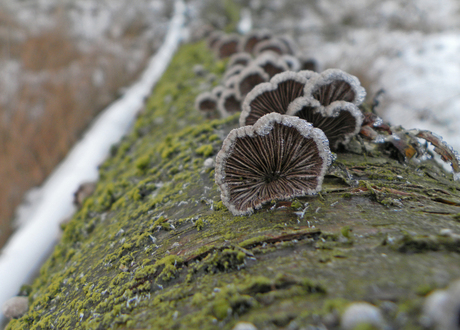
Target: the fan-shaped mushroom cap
pixel 233 71
pixel 213 38
pixel 271 63
pixel 273 96
pixel 290 44
pixel 253 38
pixel 231 82
pixel 228 103
pixel 339 121
pixel 292 62
pixel 248 79
pixel 308 63
pixel 206 102
pixel 273 45
pixel 227 45
pixel 279 157
pixel 335 85
pixel 218 90
pixel 239 58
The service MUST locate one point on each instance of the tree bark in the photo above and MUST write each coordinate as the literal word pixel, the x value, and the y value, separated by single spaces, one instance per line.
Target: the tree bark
pixel 155 248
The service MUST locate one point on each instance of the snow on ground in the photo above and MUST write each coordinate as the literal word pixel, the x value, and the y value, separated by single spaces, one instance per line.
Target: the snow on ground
pixel 26 249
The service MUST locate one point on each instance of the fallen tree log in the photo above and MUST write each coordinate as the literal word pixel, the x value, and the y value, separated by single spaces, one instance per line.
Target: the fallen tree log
pixel 154 247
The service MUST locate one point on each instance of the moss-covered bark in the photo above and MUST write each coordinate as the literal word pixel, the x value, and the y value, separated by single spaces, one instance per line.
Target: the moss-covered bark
pixel 155 248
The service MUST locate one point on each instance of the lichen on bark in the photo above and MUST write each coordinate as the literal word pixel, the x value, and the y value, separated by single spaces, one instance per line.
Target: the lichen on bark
pixel 155 248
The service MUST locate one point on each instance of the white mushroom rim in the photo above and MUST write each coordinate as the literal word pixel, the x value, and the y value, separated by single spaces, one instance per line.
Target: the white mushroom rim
pixel 340 120
pixel 325 87
pixel 279 157
pixel 258 93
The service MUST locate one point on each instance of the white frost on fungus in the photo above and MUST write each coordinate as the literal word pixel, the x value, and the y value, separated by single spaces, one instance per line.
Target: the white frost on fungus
pixel 206 102
pixel 227 45
pixel 228 103
pixel 330 119
pixel 233 71
pixel 361 313
pixel 271 63
pixel 248 108
pixel 327 78
pixel 264 126
pixel 308 74
pixel 292 62
pixel 218 90
pixel 273 45
pixel 241 58
pixel 247 79
pixel 15 307
pixel 248 42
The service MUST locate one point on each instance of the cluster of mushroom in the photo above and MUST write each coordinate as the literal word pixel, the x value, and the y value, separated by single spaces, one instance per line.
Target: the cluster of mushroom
pixel 253 59
pixel 289 125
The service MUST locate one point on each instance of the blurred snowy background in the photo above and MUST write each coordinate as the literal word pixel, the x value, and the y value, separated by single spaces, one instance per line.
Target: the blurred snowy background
pixel 61 62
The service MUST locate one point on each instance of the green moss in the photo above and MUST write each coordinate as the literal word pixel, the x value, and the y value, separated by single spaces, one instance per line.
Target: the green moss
pixel 205 150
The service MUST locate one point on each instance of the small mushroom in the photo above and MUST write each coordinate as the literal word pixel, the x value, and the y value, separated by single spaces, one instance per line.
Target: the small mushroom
pixel 249 41
pixel 206 102
pixel 232 82
pixel 308 63
pixel 227 45
pixel 248 79
pixel 228 103
pixel 279 157
pixel 218 90
pixel 339 121
pixel 214 38
pixel 273 45
pixel 273 96
pixel 271 63
pixel 292 62
pixel 335 85
pixel 241 58
pixel 290 44
pixel 233 71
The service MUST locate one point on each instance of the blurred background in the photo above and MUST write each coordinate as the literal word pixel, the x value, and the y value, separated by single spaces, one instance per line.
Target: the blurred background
pixel 63 61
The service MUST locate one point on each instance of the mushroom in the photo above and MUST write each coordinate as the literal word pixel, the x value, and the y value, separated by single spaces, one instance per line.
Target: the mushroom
pixel 231 82
pixel 274 45
pixel 218 90
pixel 290 44
pixel 233 71
pixel 228 103
pixel 242 58
pixel 206 102
pixel 271 63
pixel 248 79
pixel 339 121
pixel 213 38
pixel 279 157
pixel 292 62
pixel 335 85
pixel 227 45
pixel 273 96
pixel 249 41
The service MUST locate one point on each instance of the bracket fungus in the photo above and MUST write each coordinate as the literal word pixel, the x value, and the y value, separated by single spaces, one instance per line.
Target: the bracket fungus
pixel 206 102
pixel 227 45
pixel 214 38
pixel 279 157
pixel 273 96
pixel 339 121
pixel 273 45
pixel 233 71
pixel 271 63
pixel 292 62
pixel 228 103
pixel 249 41
pixel 248 79
pixel 241 58
pixel 335 85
